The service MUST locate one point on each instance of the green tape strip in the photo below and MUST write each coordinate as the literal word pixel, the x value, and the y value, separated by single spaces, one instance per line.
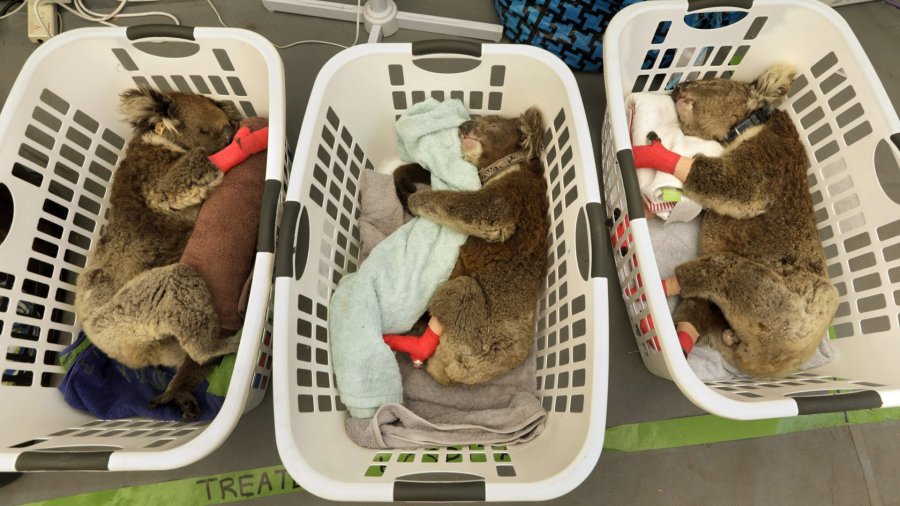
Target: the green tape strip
pixel 271 481
pixel 217 489
pixel 704 429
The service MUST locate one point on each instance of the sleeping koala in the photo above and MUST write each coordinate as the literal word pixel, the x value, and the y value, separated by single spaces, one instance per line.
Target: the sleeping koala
pixel 487 307
pixel 759 290
pixel 134 300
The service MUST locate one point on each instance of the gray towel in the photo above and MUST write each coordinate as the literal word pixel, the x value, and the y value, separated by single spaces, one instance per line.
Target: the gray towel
pixel 502 411
pixel 675 243
pixel 380 212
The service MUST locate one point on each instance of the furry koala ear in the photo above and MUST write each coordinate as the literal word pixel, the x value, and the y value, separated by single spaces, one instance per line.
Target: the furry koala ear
pixel 149 110
pixel 771 87
pixel 531 124
pixel 233 113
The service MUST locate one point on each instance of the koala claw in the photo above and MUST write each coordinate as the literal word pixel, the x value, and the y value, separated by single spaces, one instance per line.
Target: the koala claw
pixel 185 401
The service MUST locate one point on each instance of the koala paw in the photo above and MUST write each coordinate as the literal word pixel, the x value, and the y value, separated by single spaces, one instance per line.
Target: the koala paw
pixel 404 187
pixel 418 202
pixel 499 234
pixel 730 338
pixel 185 401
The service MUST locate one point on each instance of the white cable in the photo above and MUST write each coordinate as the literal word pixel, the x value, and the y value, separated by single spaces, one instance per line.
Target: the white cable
pixel 17 9
pixel 292 44
pixel 83 12
pixel 98 17
pixel 41 19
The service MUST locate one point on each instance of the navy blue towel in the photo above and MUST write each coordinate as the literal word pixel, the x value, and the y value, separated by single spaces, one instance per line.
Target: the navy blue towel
pixel 107 389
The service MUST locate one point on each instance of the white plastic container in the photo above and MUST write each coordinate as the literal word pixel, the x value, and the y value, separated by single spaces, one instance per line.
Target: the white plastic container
pixel 61 136
pixel 349 127
pixel 851 133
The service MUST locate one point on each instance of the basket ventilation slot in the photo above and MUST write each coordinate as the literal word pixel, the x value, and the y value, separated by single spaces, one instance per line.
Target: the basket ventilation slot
pixel 476 101
pixel 498 456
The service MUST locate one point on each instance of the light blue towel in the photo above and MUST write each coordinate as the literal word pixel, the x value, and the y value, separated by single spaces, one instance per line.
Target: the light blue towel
pixel 392 288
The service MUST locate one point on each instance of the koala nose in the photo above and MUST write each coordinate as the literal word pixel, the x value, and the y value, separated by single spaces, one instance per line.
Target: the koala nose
pixel 466 128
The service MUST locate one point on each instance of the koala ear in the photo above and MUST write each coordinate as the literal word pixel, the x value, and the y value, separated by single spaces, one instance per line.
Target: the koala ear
pixel 531 124
pixel 230 110
pixel 149 110
pixel 771 87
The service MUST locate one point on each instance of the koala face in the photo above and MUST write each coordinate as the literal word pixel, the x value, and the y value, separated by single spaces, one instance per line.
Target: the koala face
pixel 709 108
pixel 187 121
pixel 203 122
pixel 486 139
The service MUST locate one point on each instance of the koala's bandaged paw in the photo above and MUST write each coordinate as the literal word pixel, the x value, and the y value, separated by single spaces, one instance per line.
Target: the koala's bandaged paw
pixel 655 156
pixel 245 143
pixel 419 348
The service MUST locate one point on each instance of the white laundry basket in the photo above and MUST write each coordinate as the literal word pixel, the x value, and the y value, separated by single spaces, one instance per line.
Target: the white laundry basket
pixel 851 133
pixel 348 128
pixel 61 136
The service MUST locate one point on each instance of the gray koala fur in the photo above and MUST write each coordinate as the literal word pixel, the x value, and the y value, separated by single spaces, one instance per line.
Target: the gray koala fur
pixel 134 300
pixel 488 305
pixel 759 291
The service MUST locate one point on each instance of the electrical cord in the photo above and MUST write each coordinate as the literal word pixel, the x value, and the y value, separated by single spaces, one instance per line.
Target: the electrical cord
pixel 4 12
pixel 82 11
pixel 292 44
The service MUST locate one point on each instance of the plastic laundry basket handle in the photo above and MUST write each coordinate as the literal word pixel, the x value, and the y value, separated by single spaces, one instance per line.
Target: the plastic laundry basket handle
pixel 589 245
pixel 453 487
pixel 291 261
pixel 153 31
pixel 864 399
pixel 696 5
pixel 271 195
pixel 630 184
pixel 464 47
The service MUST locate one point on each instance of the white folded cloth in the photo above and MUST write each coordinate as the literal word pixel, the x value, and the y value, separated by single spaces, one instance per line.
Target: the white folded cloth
pixel 655 112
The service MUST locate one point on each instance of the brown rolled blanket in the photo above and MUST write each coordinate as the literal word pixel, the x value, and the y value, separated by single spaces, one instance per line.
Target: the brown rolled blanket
pixel 222 247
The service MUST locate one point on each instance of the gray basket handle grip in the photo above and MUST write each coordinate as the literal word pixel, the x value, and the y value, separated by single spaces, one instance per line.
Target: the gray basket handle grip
pixel 696 5
pixel 271 195
pixel 589 237
pixel 438 46
pixel 466 488
pixel 139 32
pixel 630 183
pixel 63 461
pixel 288 261
pixel 865 399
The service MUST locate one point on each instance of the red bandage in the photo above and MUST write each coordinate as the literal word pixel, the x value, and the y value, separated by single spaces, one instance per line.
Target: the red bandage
pixel 687 344
pixel 419 348
pixel 245 143
pixel 655 156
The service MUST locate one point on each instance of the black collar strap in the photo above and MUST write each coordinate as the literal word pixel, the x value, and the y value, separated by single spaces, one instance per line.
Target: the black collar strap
pixel 501 165
pixel 757 117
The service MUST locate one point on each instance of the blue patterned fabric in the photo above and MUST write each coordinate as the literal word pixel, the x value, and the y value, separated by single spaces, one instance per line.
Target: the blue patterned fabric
pixel 573 29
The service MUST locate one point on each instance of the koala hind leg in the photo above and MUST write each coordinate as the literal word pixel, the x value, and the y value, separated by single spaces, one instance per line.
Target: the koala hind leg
pixel 778 319
pixel 705 317
pixel 475 346
pixel 180 390
pixel 157 317
pixel 187 313
pixel 460 306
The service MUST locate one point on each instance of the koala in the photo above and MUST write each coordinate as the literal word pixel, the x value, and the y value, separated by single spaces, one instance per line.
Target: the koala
pixel 134 300
pixel 759 291
pixel 487 306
